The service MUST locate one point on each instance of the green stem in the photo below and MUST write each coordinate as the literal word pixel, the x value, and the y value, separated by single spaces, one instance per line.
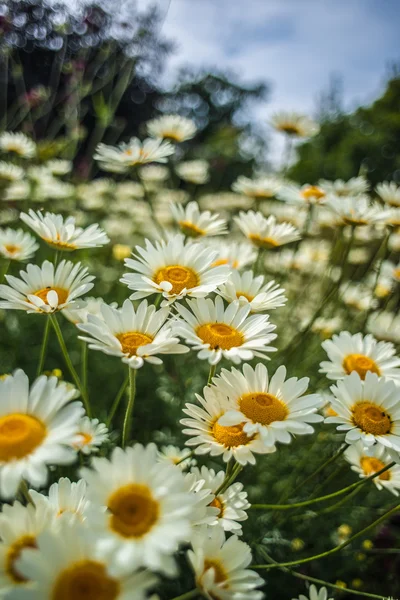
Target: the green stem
pixel 301 561
pixel 69 364
pixel 117 400
pixel 3 269
pixel 129 407
pixel 191 594
pixel 84 367
pixel 349 488
pixel 23 488
pixel 320 581
pixel 157 301
pixel 43 350
pixel 211 373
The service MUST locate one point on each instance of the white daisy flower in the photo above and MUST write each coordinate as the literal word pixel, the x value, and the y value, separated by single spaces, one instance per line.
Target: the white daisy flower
pixel 390 271
pixel 362 354
pixel 133 335
pixel 64 235
pixel 231 504
pixel 203 512
pixel 92 307
pixel 393 218
pixel 367 410
pixel 249 289
pixel 235 254
pixel 357 210
pixel 225 201
pixel 194 223
pixel 174 269
pixel 353 187
pixel 19 528
pixel 389 192
pixel 127 155
pixel 90 436
pixel 67 564
pixel 306 194
pixel 358 297
pixel 294 124
pixel 385 326
pixel 46 289
pixel 36 427
pixel 17 244
pixel 326 327
pixel 59 167
pixel 66 499
pixel 275 408
pixel 265 233
pixel 153 174
pixel 229 333
pixel 18 190
pixel 193 171
pixel 315 594
pixel 17 143
pixel 176 456
pixel 367 461
pixel 148 508
pixel 220 566
pixel 10 172
pixel 215 439
pixel 171 127
pixel 261 187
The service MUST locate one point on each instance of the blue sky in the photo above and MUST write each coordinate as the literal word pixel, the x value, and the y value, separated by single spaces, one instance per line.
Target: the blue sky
pixel 295 45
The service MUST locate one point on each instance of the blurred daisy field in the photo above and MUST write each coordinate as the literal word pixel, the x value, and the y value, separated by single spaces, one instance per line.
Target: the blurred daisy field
pixel 199 328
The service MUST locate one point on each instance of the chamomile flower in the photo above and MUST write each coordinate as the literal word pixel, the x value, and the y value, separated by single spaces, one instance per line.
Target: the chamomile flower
pixel 220 566
pixel 133 335
pixel 127 155
pixel 362 354
pixel 194 223
pixel 367 461
pixel 265 232
pixel 259 188
pixel 389 192
pixel 231 504
pixel 176 456
pixel 358 297
pixel 37 427
pixel 357 210
pixel 46 289
pixel 92 307
pixel 367 410
pixel 210 437
pixel 148 509
pixel 390 271
pixel 90 436
pixel 10 172
pixel 153 174
pixel 67 564
pixel 306 194
pixel 59 167
pixel 229 333
pixel 174 269
pixel 19 528
pixel 17 143
pixel 315 594
pixel 294 124
pixel 172 127
pixel 275 408
pixel 251 289
pixel 235 254
pixel 385 326
pixel 193 171
pixel 63 234
pixel 17 244
pixel 353 187
pixel 66 499
pixel 326 327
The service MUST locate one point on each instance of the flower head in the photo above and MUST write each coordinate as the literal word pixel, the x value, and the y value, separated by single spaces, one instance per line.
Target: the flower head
pixel 17 143
pixel 66 499
pixel 265 232
pixel 353 187
pixel 357 210
pixel 389 192
pixel 90 436
pixel 369 460
pixel 172 127
pixel 259 188
pixel 196 224
pixel 249 289
pixel 193 171
pixel 294 124
pixel 127 155
pixel 17 244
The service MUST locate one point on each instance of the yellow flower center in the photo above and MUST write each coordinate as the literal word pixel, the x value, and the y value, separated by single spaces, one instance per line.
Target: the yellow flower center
pixel 261 242
pixel 370 418
pixel 371 465
pixel 61 293
pixel 20 435
pixel 329 412
pixel 220 574
pixel 313 192
pixel 85 580
pixel 361 364
pixel 396 273
pixel 133 510
pixel 263 408
pixel 13 554
pixel 12 248
pixel 84 439
pixel 172 135
pixel 225 261
pixel 13 147
pixel 247 296
pixel 131 340
pixel 179 277
pixel 231 436
pixel 289 128
pixel 216 503
pixel 220 335
pixel 191 229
